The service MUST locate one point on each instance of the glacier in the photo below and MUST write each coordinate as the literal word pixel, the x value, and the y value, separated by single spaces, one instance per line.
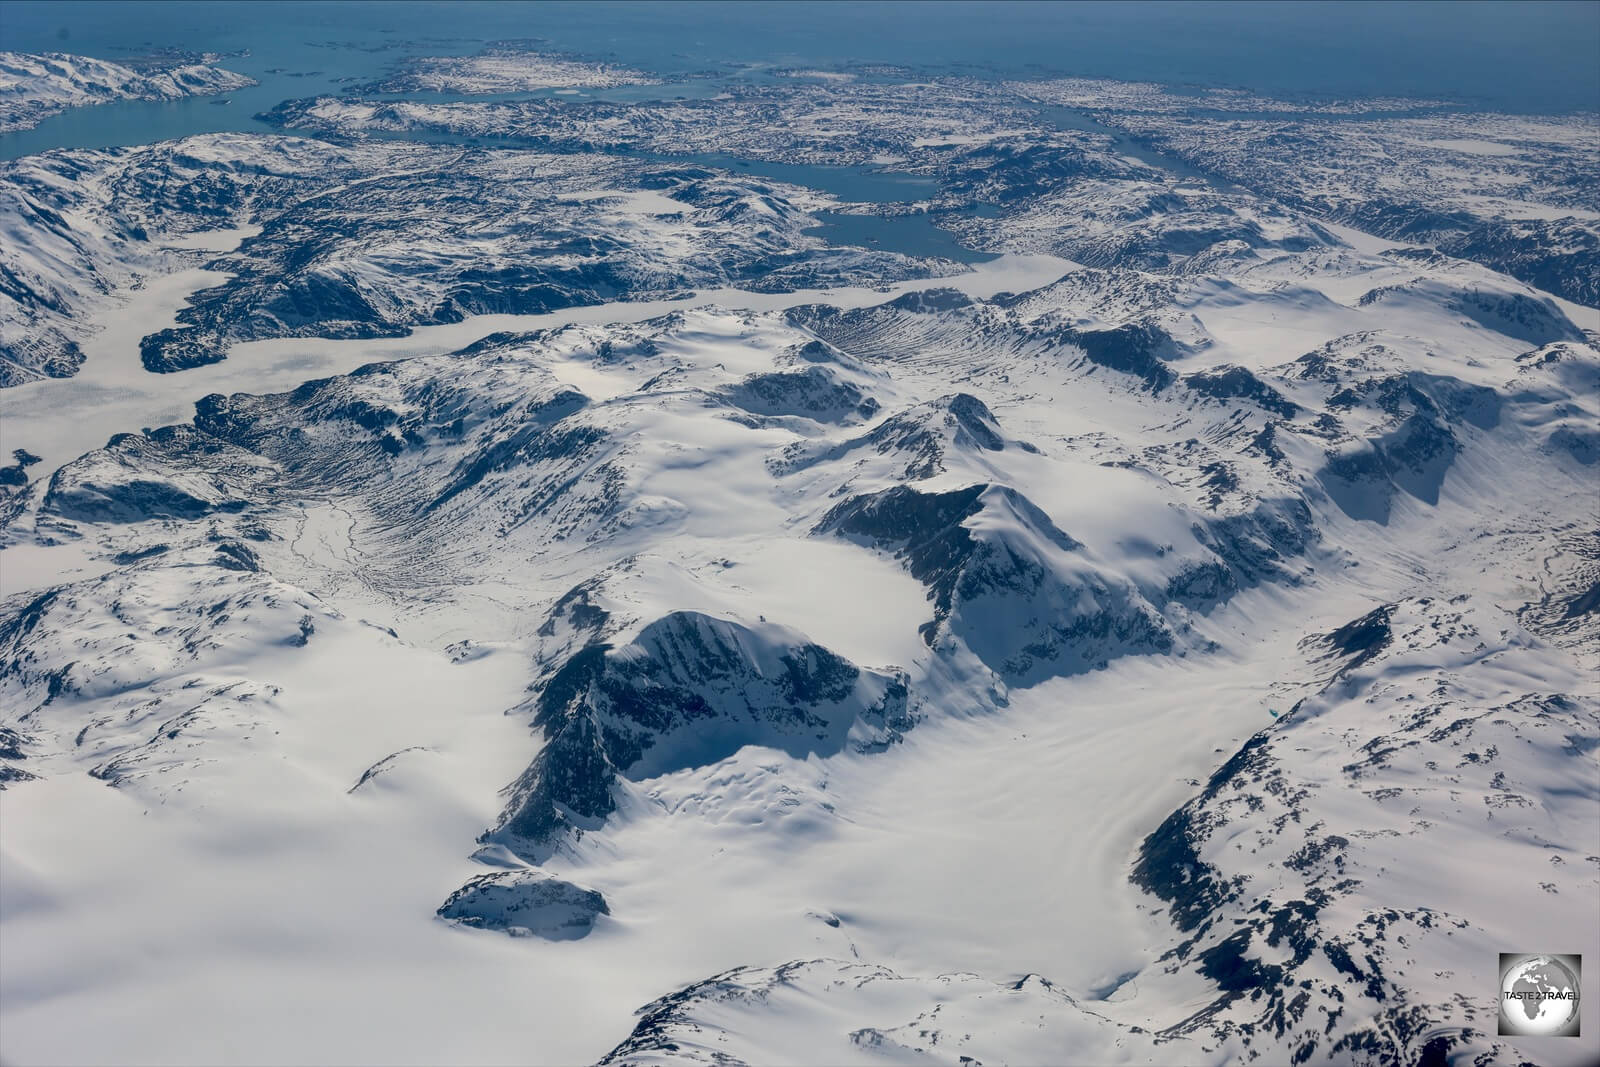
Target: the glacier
pixel 486 581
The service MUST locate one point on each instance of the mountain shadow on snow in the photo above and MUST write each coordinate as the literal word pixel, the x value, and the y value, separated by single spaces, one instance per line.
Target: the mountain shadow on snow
pixel 688 691
pixel 1017 591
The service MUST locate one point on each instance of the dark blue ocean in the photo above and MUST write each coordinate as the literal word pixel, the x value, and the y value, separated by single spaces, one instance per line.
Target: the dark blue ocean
pixel 1518 57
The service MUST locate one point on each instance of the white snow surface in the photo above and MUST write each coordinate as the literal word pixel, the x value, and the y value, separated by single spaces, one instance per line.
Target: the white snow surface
pixel 34 87
pixel 508 70
pixel 278 671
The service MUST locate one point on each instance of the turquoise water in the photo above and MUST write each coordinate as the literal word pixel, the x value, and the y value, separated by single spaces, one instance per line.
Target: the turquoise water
pixel 1532 57
pixel 1521 57
pixel 912 235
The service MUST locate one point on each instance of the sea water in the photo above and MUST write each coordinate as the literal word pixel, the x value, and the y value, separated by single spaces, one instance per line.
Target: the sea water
pixel 1525 57
pixel 1519 57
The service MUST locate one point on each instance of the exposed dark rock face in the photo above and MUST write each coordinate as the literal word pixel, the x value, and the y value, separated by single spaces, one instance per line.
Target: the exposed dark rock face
pixel 10 755
pixel 1417 455
pixel 1237 383
pixel 16 475
pixel 481 483
pixel 1556 255
pixel 1168 865
pixel 1585 603
pixel 1536 320
pixel 50 355
pixel 526 903
pixel 181 348
pixel 1273 873
pixel 925 532
pixel 963 1020
pixel 927 301
pixel 1361 640
pixel 924 433
pixel 1132 348
pixel 419 451
pixel 1004 580
pixel 569 782
pixel 1423 418
pixel 1262 544
pixel 134 500
pixel 325 267
pixel 16 488
pixel 1560 256
pixel 387 763
pixel 921 438
pixel 576 610
pixel 138 477
pixel 1201 585
pixel 107 216
pixel 136 555
pixel 238 556
pixel 903 329
pixel 1002 172
pixel 812 393
pixel 689 690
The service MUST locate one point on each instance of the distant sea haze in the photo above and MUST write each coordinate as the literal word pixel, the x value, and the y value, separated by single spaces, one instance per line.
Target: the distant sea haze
pixel 1526 57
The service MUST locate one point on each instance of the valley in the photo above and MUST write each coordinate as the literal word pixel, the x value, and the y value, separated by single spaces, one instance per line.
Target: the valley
pixel 497 580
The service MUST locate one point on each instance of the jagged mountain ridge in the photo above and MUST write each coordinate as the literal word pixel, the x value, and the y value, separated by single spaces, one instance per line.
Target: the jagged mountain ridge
pixel 1065 538
pixel 38 86
pixel 318 257
pixel 688 691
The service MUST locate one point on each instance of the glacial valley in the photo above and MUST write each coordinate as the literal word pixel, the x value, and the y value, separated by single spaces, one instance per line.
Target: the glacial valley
pixel 496 579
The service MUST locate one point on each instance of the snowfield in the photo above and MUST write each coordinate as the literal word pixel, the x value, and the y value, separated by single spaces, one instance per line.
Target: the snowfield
pixel 496 605
pixel 507 68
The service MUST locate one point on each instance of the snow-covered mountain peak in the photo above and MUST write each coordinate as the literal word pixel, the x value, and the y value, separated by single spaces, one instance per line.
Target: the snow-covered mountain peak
pixel 839 565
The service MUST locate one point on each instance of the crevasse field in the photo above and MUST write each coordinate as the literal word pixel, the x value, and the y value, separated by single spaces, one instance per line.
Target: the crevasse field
pixel 527 555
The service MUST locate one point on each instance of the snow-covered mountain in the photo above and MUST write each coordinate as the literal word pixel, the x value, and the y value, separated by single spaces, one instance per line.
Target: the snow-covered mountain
pixel 374 240
pixel 553 606
pixel 34 87
pixel 507 67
